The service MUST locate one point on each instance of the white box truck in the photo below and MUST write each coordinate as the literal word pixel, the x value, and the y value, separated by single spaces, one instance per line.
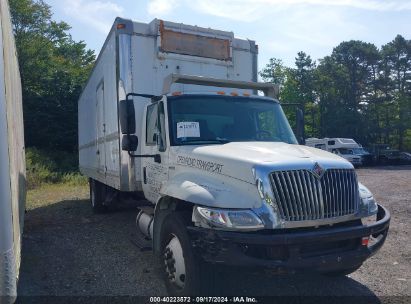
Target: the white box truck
pixel 12 161
pixel 170 118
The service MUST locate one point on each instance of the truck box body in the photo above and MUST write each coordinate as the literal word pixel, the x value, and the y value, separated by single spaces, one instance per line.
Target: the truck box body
pixel 12 161
pixel 137 57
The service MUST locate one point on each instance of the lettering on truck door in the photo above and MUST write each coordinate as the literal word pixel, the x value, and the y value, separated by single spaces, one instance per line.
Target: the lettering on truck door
pixel 101 129
pixel 154 173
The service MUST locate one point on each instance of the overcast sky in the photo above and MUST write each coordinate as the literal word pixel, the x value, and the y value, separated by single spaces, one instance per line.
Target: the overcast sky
pixel 281 28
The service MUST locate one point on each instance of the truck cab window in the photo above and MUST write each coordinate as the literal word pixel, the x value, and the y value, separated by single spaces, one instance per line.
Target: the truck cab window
pixel 222 119
pixel 151 125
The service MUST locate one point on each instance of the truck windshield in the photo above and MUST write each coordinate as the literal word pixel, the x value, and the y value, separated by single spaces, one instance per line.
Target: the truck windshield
pixel 203 119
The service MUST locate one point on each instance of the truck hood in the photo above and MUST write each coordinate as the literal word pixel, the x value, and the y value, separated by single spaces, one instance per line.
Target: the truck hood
pixel 237 159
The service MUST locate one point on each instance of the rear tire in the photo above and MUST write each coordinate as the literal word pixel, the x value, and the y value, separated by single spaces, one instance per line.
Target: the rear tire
pixel 97 196
pixel 184 273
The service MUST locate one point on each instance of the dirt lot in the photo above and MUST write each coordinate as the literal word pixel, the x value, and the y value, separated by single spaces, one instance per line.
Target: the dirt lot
pixel 68 251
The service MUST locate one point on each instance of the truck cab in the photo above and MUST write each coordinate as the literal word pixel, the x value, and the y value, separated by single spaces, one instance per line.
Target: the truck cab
pixel 231 185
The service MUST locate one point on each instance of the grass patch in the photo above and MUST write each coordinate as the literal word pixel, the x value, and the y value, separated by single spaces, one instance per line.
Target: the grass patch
pixel 48 194
pixel 44 167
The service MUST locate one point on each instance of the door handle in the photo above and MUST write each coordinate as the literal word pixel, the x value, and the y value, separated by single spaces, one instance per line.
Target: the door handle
pixel 144 175
pixel 157 158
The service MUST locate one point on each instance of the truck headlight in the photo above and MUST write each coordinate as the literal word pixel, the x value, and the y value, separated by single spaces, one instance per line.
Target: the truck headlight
pixel 230 219
pixel 368 199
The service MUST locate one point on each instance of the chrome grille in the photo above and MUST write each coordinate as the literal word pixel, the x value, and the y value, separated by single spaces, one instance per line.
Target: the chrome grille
pixel 302 196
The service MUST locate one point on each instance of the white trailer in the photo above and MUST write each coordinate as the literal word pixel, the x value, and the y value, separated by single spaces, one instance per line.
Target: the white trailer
pixel 171 119
pixel 12 161
pixel 344 147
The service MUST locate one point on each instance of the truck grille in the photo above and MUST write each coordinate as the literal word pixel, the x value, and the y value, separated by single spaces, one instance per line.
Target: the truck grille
pixel 302 196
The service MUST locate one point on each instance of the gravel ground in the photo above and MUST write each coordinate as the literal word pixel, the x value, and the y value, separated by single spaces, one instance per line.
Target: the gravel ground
pixel 68 251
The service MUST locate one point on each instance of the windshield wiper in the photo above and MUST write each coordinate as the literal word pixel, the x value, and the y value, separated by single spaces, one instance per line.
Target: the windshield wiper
pixel 211 140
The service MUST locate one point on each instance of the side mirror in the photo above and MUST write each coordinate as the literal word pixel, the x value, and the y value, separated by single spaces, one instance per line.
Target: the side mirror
pixel 300 126
pixel 129 143
pixel 127 116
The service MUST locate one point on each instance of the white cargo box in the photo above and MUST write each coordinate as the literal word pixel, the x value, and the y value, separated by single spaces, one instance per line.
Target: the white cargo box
pixel 137 57
pixel 12 161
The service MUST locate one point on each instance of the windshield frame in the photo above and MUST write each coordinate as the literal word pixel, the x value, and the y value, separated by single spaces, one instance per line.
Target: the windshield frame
pixel 171 99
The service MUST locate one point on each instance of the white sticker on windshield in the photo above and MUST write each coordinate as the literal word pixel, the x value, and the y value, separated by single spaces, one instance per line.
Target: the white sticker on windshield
pixel 188 129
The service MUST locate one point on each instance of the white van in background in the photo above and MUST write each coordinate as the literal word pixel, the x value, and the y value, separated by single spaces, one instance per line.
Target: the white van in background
pixel 344 147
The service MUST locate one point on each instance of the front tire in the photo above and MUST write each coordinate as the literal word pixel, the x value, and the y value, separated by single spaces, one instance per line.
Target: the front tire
pixel 184 273
pixel 97 196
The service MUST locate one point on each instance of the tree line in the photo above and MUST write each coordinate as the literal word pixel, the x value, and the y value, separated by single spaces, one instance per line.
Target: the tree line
pixel 359 91
pixel 53 69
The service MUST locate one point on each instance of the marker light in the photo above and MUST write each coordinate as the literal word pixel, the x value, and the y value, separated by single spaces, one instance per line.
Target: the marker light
pixel 221 93
pixel 365 240
pixel 121 26
pixel 177 93
pixel 234 94
pixel 246 94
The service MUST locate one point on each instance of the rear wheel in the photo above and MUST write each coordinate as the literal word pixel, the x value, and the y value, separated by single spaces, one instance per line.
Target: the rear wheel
pixel 97 196
pixel 184 273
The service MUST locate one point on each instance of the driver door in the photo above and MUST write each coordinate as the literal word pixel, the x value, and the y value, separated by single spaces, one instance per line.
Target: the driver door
pixel 154 173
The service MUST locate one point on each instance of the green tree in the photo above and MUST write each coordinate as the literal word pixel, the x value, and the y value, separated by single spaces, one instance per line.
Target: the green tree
pixel 53 69
pixel 358 91
pixel 357 59
pixel 303 77
pixel 274 72
pixel 396 65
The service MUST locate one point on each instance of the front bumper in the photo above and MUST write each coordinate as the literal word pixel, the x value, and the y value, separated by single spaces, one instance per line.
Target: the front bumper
pixel 321 249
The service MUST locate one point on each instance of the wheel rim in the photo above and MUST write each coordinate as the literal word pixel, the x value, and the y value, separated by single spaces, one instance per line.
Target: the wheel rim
pixel 174 262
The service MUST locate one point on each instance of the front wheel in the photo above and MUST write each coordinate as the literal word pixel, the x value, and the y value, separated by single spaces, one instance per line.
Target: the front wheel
pixel 184 273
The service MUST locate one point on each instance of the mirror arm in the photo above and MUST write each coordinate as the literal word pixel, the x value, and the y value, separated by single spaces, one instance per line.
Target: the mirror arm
pixel 152 97
pixel 157 157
